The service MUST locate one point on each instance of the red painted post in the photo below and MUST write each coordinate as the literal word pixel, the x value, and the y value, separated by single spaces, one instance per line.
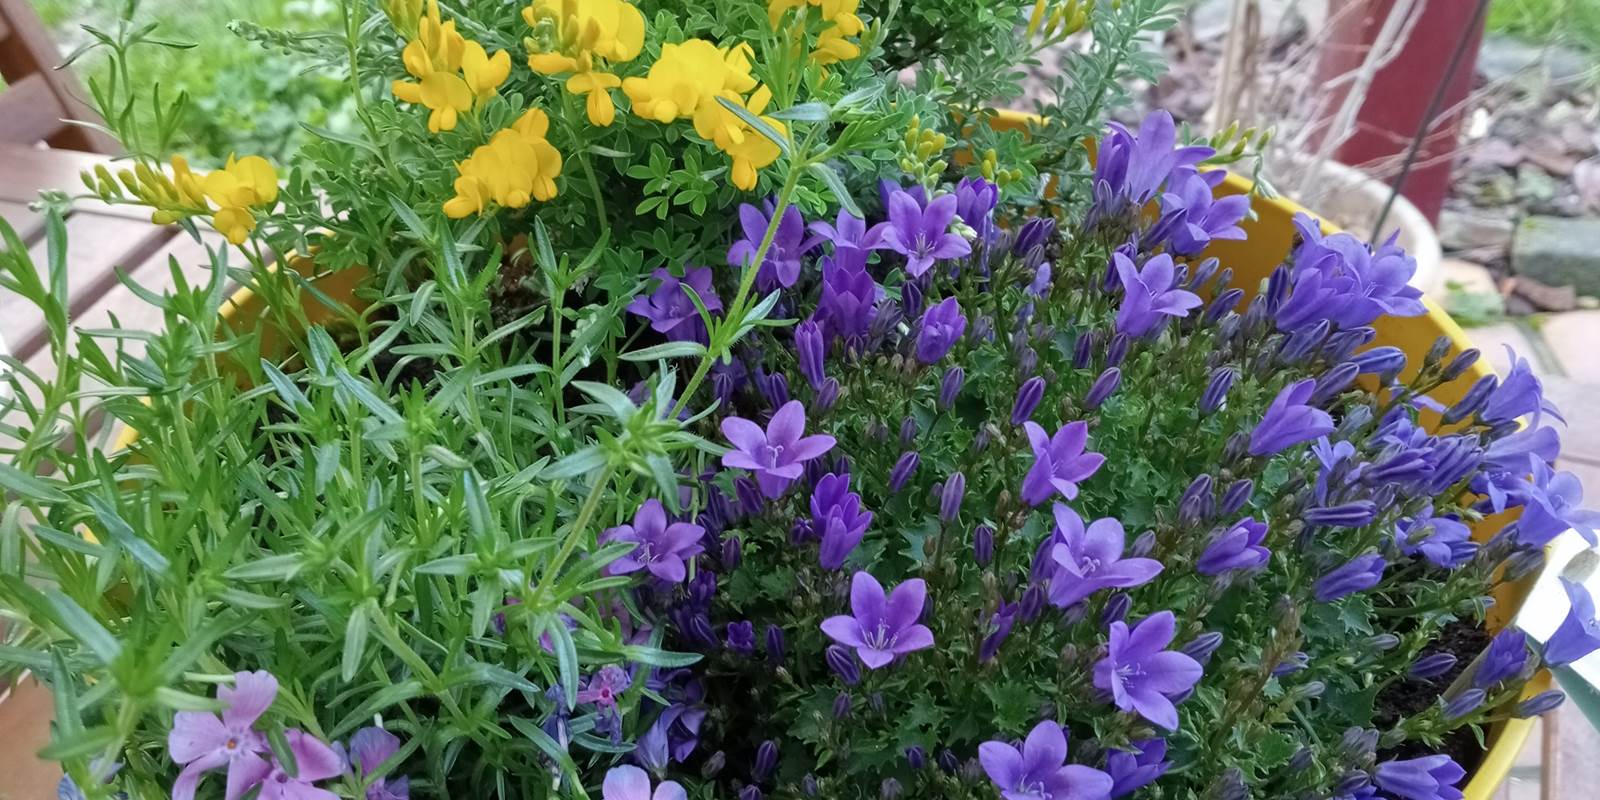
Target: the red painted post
pixel 1401 91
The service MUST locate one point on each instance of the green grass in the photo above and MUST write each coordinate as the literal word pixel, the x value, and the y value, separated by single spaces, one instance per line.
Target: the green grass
pixel 244 98
pixel 1570 22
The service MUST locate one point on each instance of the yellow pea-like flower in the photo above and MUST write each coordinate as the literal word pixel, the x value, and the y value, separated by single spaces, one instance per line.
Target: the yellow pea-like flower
pixel 248 181
pixel 517 165
pixel 234 223
pixel 484 74
pixel 687 76
pixel 583 34
pixel 752 151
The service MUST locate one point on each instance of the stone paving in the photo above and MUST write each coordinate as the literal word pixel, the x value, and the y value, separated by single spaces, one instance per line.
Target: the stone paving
pixel 1564 350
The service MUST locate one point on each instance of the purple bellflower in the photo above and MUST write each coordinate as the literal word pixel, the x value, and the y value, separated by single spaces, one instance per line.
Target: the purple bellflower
pixel 1550 506
pixel 1088 559
pixel 781 267
pixel 662 549
pixel 1133 770
pixel 777 455
pixel 1579 633
pixel 628 782
pixel 975 202
pixel 881 627
pixel 1038 770
pixel 670 310
pixel 1149 299
pixel 202 742
pixel 836 514
pixel 1519 394
pixel 1427 778
pixel 1130 169
pixel 848 305
pixel 942 326
pixel 1289 421
pixel 1060 462
pixel 921 234
pixel 1239 547
pixel 851 238
pixel 1504 658
pixel 1350 284
pixel 1444 541
pixel 1141 674
pixel 369 748
pixel 1192 214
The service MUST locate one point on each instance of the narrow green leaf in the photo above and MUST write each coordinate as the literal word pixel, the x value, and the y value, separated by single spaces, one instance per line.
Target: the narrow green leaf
pixel 610 397
pixel 355 642
pixel 836 186
pixel 78 624
pixel 272 568
pixel 804 112
pixel 666 350
pixel 78 745
pixel 40 490
pixel 124 536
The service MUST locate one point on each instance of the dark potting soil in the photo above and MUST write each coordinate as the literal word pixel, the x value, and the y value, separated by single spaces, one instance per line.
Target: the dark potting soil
pixel 1464 639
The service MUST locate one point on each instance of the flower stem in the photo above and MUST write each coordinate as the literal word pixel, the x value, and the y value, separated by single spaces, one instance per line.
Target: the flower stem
pixel 590 505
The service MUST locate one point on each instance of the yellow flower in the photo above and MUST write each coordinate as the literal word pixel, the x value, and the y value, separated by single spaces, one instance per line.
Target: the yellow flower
pixel 516 166
pixel 843 21
pixel 586 31
pixel 749 149
pixel 248 181
pixel 483 73
pixel 187 183
pixel 403 15
pixel 688 75
pixel 234 223
pixel 434 58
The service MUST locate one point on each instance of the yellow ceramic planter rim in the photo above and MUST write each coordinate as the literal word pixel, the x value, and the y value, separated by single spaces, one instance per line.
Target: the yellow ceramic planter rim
pixel 1414 335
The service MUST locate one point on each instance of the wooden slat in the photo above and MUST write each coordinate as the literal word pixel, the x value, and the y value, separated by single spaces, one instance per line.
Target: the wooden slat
pixel 26 171
pixel 29 111
pixel 28 50
pixel 95 244
pixel 26 711
pixel 28 224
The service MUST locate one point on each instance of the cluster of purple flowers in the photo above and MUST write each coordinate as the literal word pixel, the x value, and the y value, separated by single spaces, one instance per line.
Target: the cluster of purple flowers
pixel 202 742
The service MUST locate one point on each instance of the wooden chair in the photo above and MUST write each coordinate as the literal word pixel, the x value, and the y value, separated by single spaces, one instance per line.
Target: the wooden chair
pixel 39 97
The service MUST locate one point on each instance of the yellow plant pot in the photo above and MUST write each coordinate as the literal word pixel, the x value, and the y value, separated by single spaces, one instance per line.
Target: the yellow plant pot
pixel 1269 238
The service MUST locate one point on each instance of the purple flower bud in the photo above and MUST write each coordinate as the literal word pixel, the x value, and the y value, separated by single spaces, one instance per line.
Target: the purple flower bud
pixel 1459 365
pixel 826 396
pixel 950 387
pixel 1031 604
pixel 1352 782
pixel 1033 233
pixel 1217 390
pixel 1199 492
pixel 983 545
pixel 942 326
pixel 700 628
pixel 916 757
pixel 1203 272
pixel 732 553
pixel 1027 361
pixel 1083 350
pixel 908 430
pixel 1143 545
pixel 766 760
pixel 1358 574
pixel 775 645
pixel 1302 343
pixel 1334 381
pixel 1294 663
pixel 1202 647
pixel 1310 690
pixel 703 588
pixel 1386 362
pixel 742 637
pixel 1237 494
pixel 1540 703
pixel 1116 609
pixel 949 762
pixel 776 389
pixel 714 764
pixel 1436 351
pixel 1522 564
pixel 1224 303
pixel 911 297
pixel 955 489
pixel 751 503
pixel 1464 704
pixel 1103 388
pixel 843 663
pixel 1473 400
pixel 1431 666
pixel 903 468
pixel 1028 396
pixel 1301 760
pixel 810 349
pixel 841 706
pixel 1382 642
pixel 889 789
pixel 809 786
pixel 1347 515
pixel 750 793
pixel 1117 350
